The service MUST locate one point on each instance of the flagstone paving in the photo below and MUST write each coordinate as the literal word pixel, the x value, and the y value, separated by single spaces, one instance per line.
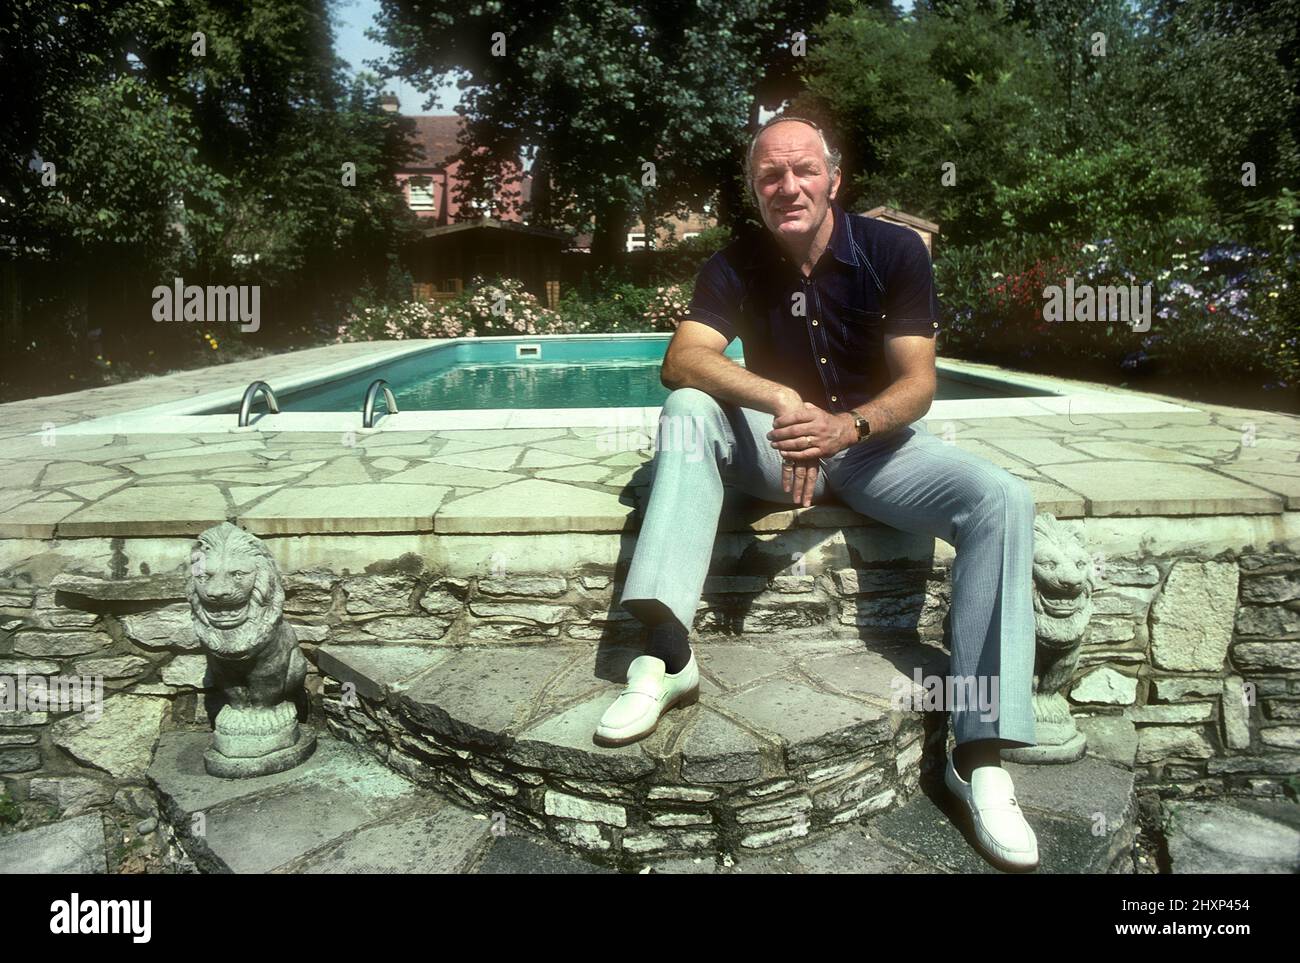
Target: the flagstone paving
pixel 1211 461
pixel 344 812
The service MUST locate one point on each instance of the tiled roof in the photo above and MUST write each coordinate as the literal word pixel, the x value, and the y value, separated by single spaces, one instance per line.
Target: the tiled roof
pixel 435 136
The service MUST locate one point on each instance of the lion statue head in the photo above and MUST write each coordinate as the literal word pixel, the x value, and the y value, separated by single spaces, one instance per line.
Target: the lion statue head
pixel 236 597
pixel 1063 582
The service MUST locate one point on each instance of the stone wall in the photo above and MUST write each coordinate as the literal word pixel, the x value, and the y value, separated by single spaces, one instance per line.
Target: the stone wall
pixel 1193 667
pixel 1190 670
pixel 725 801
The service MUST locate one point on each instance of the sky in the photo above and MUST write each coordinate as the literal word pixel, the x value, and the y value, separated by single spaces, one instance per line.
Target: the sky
pixel 350 43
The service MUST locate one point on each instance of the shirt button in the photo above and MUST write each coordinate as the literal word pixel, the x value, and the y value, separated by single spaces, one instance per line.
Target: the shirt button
pixel 823 360
pixel 835 398
pixel 936 324
pixel 814 322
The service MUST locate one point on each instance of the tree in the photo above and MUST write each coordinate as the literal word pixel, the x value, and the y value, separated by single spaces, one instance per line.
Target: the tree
pixel 593 92
pixel 200 137
pixel 935 112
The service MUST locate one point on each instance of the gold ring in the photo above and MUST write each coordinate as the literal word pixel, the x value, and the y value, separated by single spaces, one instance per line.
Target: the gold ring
pixel 807 441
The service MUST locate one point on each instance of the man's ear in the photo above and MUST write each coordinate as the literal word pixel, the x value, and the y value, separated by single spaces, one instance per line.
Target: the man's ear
pixel 835 184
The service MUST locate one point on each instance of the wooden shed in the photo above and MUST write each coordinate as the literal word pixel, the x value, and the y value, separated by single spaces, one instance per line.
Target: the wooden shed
pixel 444 259
pixel 927 229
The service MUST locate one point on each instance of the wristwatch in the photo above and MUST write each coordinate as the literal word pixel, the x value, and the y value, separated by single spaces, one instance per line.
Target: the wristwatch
pixel 864 429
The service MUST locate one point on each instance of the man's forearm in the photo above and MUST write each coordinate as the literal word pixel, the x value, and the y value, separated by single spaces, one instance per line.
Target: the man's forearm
pixel 901 403
pixel 718 375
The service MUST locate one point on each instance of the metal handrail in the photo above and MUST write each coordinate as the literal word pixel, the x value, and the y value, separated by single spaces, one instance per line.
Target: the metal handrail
pixel 251 392
pixel 368 411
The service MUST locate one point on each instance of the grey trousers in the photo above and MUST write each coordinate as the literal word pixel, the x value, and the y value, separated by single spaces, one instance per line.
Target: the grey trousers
pixel 910 480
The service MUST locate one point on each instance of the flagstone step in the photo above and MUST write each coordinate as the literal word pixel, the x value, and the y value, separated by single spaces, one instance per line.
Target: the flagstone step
pixel 344 811
pixel 340 811
pixel 75 845
pixel 786 740
pixel 1084 815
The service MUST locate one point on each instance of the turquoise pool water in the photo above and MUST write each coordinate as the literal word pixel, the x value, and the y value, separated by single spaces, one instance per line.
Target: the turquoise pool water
pixel 578 373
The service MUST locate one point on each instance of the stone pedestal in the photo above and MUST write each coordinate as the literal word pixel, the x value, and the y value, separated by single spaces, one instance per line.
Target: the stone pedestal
pixel 257 741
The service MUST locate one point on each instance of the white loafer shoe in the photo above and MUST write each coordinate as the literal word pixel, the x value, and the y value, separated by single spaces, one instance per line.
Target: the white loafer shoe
pixel 651 691
pixel 1000 827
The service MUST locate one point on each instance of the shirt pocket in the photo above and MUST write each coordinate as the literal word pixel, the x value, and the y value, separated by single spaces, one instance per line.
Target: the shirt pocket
pixel 860 330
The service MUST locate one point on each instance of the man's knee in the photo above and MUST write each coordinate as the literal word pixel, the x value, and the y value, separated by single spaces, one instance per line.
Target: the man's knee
pixel 691 422
pixel 1010 493
pixel 684 402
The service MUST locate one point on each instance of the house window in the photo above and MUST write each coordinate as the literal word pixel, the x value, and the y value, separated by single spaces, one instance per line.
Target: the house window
pixel 690 234
pixel 421 193
pixel 636 241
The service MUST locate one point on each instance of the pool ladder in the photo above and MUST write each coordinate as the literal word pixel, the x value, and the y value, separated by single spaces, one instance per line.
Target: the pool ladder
pixel 273 406
pixel 250 394
pixel 368 410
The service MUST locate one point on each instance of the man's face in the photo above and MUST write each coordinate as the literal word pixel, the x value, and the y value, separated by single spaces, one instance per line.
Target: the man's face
pixel 794 188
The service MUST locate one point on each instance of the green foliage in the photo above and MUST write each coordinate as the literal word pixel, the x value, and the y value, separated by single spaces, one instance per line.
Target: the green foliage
pixel 257 162
pixel 598 88
pixel 1220 313
pixel 1110 191
pixel 606 304
pixel 1221 85
pixel 124 158
pixel 618 310
pixel 1099 141
pixel 625 308
pixel 11 811
pixel 909 96
pixel 1123 160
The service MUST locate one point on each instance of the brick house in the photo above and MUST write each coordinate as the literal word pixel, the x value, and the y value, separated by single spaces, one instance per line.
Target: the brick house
pixel 455 244
pixel 429 180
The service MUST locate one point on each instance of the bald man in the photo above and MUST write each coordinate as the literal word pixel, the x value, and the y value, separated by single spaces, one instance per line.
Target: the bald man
pixel 837 314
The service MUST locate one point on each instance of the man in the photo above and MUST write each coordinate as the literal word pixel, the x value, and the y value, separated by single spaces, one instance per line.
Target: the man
pixel 837 315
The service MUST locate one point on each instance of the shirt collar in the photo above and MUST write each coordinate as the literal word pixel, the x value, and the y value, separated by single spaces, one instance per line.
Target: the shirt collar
pixel 765 249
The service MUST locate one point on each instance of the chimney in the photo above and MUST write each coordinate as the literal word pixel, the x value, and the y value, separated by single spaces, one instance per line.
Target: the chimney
pixel 390 103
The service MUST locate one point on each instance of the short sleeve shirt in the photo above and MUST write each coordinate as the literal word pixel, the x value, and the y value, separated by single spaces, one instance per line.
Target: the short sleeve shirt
pixel 822 335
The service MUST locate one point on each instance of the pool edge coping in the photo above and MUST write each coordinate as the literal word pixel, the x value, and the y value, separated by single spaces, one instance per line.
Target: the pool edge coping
pixel 182 417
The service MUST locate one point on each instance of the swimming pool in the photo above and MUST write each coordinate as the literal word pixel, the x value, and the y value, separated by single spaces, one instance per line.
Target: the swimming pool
pixel 488 373
pixel 551 381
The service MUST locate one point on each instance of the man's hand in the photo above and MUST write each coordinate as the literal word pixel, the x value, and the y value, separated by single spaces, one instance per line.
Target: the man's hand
pixel 804 434
pixel 808 433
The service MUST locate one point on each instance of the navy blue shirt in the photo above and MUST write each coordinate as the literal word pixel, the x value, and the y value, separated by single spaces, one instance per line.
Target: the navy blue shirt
pixel 873 278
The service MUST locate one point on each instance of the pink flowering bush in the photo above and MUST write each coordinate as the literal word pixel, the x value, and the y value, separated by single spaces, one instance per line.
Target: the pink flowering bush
pixel 407 319
pixel 503 307
pixel 667 307
pixel 487 308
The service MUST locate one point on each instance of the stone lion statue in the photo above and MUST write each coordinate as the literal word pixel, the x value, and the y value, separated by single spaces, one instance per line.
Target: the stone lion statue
pixel 1063 586
pixel 237 608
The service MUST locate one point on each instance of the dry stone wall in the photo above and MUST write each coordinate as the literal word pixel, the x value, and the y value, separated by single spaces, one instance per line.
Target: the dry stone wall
pixel 1190 669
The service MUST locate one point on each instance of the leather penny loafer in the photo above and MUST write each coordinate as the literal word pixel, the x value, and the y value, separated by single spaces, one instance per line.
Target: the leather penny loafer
pixel 650 692
pixel 1000 827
